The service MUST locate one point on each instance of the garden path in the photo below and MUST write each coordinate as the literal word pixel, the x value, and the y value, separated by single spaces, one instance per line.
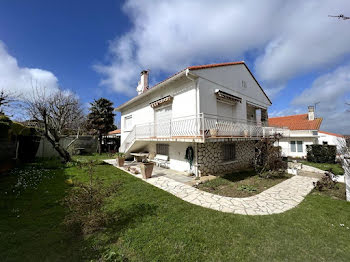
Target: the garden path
pixel 277 199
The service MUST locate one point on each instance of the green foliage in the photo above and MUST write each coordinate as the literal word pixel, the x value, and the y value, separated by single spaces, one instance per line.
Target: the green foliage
pixel 120 155
pixel 101 116
pixel 321 153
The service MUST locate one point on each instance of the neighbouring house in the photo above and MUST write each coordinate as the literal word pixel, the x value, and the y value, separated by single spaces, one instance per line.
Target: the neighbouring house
pixel 112 140
pixel 215 111
pixel 327 138
pixel 304 130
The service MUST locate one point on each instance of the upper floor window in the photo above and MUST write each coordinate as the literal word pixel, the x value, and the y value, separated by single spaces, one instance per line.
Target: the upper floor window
pixel 244 84
pixel 314 133
pixel 128 123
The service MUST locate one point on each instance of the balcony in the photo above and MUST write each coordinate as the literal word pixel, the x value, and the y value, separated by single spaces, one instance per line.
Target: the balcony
pixel 200 128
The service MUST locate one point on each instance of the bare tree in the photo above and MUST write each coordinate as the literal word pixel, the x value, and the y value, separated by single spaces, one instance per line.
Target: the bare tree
pixel 54 114
pixel 7 98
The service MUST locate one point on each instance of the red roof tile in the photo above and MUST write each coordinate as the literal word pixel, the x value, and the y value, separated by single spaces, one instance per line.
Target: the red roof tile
pixel 296 122
pixel 215 65
pixel 332 134
pixel 114 132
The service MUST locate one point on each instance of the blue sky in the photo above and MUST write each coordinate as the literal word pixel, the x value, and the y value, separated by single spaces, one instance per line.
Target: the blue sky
pixel 97 48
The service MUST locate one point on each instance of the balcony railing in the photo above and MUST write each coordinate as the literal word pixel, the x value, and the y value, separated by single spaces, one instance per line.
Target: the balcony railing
pixel 201 127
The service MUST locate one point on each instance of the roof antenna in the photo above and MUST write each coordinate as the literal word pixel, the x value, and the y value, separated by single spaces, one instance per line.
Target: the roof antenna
pixel 341 16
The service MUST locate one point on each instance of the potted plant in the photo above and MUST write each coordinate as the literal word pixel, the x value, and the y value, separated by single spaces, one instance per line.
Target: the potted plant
pixel 213 132
pixel 120 158
pixel 146 169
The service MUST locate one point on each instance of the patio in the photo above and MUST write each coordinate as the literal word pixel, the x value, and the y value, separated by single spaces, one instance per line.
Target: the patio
pixel 181 177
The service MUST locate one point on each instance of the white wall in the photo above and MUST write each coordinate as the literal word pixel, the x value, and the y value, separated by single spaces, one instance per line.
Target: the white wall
pixel 177 151
pixel 331 140
pixel 284 143
pixel 229 79
pixel 184 104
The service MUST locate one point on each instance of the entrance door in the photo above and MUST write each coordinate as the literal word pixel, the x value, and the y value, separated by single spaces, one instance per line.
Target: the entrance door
pixel 162 118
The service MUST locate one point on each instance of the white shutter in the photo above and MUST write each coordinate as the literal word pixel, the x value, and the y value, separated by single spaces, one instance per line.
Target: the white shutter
pixel 225 110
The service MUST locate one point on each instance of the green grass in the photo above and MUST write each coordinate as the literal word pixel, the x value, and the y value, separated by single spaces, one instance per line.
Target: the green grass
pixel 241 184
pixel 154 225
pixel 336 168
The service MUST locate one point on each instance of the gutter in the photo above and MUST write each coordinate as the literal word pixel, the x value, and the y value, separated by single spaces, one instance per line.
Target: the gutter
pixel 194 79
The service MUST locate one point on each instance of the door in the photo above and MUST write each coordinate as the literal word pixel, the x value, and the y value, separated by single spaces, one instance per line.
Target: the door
pixel 162 121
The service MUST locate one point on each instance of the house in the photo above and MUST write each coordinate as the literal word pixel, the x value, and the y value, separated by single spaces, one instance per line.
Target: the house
pixel 112 140
pixel 327 138
pixel 304 130
pixel 218 111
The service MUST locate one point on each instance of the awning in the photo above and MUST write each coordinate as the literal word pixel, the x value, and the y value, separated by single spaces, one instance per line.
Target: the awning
pixel 226 97
pixel 162 101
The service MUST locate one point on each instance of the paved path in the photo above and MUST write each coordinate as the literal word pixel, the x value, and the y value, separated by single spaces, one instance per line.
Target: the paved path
pixel 277 199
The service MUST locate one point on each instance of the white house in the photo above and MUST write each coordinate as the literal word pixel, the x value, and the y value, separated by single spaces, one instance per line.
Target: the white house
pixel 304 130
pixel 218 110
pixel 327 138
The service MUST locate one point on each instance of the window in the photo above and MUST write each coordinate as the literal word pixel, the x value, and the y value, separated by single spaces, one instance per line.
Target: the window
pixel 296 146
pixel 244 84
pixel 292 146
pixel 314 133
pixel 300 146
pixel 228 152
pixel 162 149
pixel 128 123
pixel 325 143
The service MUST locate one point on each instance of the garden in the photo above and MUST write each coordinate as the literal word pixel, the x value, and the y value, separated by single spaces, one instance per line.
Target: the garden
pixel 143 223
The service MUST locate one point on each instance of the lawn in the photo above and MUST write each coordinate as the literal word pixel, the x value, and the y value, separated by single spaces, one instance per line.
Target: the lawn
pixel 153 225
pixel 336 168
pixel 241 184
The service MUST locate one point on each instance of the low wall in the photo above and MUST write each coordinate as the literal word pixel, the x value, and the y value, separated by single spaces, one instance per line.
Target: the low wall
pixel 210 157
pixel 89 143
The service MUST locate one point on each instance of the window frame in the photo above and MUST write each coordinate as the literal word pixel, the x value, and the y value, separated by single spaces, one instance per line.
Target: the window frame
pixel 229 152
pixel 162 149
pixel 129 117
pixel 300 143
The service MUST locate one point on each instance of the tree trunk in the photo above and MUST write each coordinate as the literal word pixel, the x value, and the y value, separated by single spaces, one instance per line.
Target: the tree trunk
pixel 100 143
pixel 60 150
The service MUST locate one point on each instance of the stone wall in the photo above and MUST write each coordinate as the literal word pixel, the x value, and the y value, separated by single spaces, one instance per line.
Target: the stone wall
pixel 210 157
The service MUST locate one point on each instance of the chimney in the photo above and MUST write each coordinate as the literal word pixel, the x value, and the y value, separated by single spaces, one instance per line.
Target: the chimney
pixel 143 83
pixel 311 115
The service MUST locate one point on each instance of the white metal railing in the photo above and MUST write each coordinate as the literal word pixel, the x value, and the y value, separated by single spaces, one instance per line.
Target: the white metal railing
pixel 201 126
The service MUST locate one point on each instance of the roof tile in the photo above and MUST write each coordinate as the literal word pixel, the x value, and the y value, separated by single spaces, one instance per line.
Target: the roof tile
pixel 296 122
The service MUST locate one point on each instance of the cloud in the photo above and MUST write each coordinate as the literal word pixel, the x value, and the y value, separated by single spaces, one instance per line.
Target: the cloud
pixel 332 91
pixel 20 80
pixel 289 38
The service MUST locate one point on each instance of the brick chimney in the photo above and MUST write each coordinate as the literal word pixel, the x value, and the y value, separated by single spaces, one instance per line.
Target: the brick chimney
pixel 311 114
pixel 143 83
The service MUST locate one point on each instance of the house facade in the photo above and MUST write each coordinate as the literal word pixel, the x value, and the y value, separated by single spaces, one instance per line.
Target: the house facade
pixel 218 110
pixel 304 131
pixel 327 138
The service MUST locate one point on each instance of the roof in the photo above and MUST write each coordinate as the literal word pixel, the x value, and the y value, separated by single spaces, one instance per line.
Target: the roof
pixel 331 134
pixel 296 122
pixel 182 72
pixel 114 132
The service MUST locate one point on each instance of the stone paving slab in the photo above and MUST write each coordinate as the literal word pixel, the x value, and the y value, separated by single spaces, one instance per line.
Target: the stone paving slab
pixel 277 199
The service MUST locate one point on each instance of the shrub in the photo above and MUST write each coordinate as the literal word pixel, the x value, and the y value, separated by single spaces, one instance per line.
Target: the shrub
pixel 326 182
pixel 85 203
pixel 321 153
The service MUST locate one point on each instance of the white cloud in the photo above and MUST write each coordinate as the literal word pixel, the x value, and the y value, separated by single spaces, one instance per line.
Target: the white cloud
pixel 332 90
pixel 290 38
pixel 21 80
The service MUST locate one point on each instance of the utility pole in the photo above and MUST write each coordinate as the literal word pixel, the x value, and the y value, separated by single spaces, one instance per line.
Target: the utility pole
pixel 315 108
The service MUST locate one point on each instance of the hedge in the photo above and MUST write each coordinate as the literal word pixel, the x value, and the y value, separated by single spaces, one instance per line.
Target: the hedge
pixel 321 153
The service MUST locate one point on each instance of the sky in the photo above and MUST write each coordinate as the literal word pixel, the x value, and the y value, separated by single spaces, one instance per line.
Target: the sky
pixel 299 55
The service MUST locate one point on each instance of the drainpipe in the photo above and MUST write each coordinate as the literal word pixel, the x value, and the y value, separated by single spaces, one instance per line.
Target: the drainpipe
pixel 194 80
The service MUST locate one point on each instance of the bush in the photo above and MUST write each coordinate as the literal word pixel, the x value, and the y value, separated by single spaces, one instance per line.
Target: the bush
pixel 326 182
pixel 321 153
pixel 85 203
